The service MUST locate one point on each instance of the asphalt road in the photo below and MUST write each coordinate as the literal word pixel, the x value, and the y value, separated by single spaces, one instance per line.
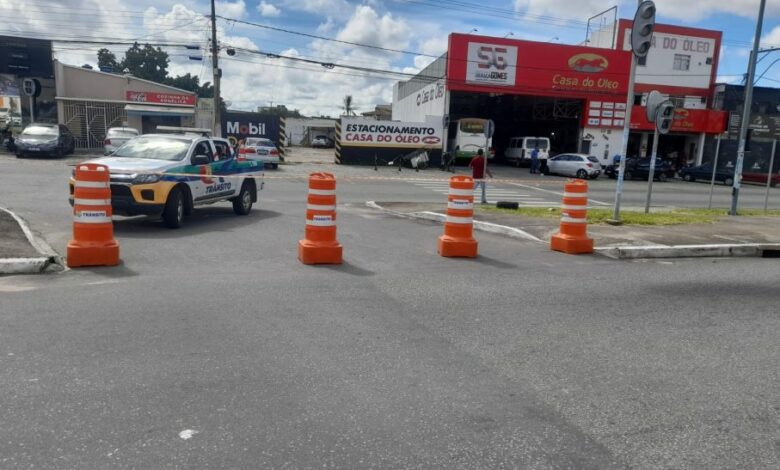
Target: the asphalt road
pixel 213 347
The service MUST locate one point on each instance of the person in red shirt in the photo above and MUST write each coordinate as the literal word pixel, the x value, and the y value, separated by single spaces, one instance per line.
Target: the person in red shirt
pixel 479 167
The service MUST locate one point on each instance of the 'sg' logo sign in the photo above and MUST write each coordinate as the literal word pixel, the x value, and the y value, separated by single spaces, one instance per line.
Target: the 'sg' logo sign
pixel 492 57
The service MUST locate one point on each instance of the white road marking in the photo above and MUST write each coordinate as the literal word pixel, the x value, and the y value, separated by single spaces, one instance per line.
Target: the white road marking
pixel 557 193
pixel 187 434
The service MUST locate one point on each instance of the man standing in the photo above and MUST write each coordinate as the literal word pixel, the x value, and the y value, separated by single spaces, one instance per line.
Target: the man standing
pixel 535 160
pixel 479 167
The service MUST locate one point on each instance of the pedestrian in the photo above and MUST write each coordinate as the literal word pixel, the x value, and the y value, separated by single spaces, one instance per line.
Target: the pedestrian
pixel 479 167
pixel 535 160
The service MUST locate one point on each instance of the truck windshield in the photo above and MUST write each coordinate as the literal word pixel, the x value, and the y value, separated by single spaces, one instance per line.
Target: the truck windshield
pixel 155 148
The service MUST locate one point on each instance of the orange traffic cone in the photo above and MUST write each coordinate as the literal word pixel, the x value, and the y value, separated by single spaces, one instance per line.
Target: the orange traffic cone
pixel 458 239
pixel 93 241
pixel 573 237
pixel 320 245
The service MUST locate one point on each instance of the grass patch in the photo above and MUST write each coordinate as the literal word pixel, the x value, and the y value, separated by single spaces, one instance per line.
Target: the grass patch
pixel 672 217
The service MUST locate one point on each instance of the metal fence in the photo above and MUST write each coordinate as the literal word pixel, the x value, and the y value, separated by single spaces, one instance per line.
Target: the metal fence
pixel 89 121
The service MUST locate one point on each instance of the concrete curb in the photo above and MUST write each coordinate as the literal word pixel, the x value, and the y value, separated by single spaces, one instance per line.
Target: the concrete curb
pixel 690 251
pixel 478 225
pixel 49 261
pixel 615 252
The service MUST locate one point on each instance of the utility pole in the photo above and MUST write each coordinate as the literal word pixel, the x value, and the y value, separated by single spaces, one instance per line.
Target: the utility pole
pixel 743 128
pixel 217 73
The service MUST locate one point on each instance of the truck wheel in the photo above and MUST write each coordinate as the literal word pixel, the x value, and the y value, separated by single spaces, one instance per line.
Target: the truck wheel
pixel 174 209
pixel 243 203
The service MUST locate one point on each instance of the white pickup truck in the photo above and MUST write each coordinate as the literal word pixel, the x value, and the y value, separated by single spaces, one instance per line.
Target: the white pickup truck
pixel 167 175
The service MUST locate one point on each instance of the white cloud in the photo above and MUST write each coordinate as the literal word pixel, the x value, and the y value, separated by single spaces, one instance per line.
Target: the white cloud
pixel 688 10
pixel 367 27
pixel 268 9
pixel 772 39
pixel 321 7
pixel 235 9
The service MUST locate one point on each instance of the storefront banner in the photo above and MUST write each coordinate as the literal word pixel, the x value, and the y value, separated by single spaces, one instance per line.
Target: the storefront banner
pixel 359 132
pixel 238 126
pixel 693 121
pixel 486 64
pixel 764 126
pixel 160 98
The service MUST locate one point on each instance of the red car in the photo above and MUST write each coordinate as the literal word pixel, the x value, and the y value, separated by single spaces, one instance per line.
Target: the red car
pixel 760 178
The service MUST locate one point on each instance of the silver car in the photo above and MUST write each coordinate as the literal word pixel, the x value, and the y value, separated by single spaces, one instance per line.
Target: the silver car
pixel 116 137
pixel 261 150
pixel 574 164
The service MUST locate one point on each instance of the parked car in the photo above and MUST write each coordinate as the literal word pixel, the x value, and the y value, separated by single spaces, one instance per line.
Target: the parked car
pixel 322 141
pixel 519 149
pixel 574 164
pixel 260 150
pixel 704 172
pixel 116 137
pixel 640 168
pixel 45 139
pixel 754 177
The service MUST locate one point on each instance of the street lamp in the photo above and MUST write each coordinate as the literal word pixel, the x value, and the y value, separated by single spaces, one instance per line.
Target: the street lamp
pixel 509 34
pixel 473 30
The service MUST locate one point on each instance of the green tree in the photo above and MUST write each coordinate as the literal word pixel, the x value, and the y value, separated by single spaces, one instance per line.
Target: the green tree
pixel 107 59
pixel 146 62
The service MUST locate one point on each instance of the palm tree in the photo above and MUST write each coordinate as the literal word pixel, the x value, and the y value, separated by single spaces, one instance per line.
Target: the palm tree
pixel 348 109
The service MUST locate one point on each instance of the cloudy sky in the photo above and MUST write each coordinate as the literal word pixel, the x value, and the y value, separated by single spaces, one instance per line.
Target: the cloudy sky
pixel 417 27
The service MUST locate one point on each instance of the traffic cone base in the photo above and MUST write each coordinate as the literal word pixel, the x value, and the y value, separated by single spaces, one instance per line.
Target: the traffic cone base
pixel 571 245
pixel 92 255
pixel 319 253
pixel 457 247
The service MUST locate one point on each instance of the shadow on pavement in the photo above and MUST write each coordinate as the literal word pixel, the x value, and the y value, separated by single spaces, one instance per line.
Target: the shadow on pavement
pixel 481 259
pixel 348 268
pixel 120 271
pixel 215 219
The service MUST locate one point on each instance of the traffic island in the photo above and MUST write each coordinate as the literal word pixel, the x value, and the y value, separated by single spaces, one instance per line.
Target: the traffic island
pixel 670 233
pixel 20 251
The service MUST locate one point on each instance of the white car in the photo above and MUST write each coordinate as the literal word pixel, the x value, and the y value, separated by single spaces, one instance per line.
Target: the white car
pixel 117 137
pixel 574 164
pixel 260 150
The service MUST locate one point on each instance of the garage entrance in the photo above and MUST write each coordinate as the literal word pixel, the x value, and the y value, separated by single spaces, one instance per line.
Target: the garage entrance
pixel 516 116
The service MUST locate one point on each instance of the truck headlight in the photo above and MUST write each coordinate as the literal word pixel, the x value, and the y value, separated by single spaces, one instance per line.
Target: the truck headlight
pixel 146 179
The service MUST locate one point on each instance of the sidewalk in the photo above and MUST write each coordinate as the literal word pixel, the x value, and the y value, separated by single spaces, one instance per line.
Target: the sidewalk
pixel 728 236
pixel 20 252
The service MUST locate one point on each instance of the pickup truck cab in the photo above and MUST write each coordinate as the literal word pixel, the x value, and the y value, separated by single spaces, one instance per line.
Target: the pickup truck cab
pixel 167 175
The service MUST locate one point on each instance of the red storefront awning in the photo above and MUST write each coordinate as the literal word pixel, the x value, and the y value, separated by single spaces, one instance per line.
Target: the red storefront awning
pixel 692 121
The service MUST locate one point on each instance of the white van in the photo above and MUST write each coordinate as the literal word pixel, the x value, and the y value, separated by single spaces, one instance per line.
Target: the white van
pixel 519 149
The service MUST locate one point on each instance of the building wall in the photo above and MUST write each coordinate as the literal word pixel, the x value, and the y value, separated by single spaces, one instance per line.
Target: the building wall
pixel 429 100
pixel 700 45
pixel 301 130
pixel 604 142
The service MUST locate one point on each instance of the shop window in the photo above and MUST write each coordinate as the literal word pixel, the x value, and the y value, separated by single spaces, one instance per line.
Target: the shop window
pixel 638 100
pixel 682 62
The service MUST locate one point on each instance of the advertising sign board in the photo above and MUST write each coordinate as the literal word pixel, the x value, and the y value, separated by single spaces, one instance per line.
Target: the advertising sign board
pixel 239 126
pixel 160 98
pixel 358 132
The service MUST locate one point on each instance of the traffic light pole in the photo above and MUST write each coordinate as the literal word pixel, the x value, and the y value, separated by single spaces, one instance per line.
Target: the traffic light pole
pixel 743 128
pixel 623 154
pixel 651 174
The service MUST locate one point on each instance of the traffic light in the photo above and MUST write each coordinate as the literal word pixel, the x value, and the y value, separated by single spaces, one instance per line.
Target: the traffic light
pixel 642 30
pixel 664 117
